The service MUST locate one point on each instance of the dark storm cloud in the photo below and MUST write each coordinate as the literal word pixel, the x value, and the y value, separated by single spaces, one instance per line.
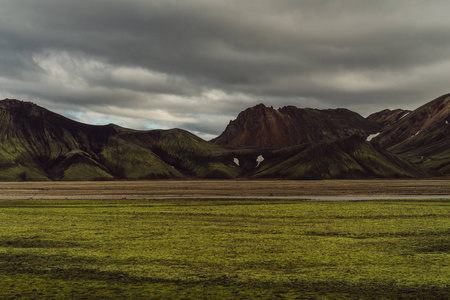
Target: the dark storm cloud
pixel 197 63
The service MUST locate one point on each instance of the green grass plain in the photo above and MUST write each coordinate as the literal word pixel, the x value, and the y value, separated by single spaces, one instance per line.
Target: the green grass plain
pixel 224 249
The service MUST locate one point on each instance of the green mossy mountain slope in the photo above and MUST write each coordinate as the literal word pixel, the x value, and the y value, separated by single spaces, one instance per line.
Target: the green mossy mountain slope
pixel 37 144
pixel 347 158
pixel 430 150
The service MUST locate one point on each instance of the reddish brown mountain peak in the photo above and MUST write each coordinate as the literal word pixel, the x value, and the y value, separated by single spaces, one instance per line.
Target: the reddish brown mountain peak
pixel 260 105
pixel 260 108
pixel 265 127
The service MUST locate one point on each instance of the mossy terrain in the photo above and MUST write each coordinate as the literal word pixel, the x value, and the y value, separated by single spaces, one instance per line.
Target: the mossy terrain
pixel 77 172
pixel 224 249
pixel 430 150
pixel 346 158
pixel 187 153
pixel 129 161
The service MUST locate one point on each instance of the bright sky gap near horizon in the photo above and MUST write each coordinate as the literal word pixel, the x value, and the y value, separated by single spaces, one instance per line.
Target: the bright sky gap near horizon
pixel 195 64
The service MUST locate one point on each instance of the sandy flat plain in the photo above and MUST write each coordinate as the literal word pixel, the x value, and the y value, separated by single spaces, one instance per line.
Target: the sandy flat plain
pixel 220 188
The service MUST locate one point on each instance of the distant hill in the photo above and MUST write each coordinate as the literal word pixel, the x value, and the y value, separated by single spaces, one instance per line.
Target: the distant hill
pixel 37 144
pixel 268 128
pixel 422 136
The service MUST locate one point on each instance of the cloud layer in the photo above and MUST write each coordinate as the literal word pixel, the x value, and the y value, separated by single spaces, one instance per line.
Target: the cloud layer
pixel 196 63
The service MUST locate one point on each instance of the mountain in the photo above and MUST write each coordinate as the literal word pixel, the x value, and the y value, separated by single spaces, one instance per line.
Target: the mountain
pixel 347 158
pixel 432 116
pixel 387 117
pixel 422 136
pixel 37 144
pixel 268 128
pixel 180 151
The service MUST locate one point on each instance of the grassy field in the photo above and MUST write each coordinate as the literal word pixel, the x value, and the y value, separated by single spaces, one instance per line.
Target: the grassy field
pixel 224 249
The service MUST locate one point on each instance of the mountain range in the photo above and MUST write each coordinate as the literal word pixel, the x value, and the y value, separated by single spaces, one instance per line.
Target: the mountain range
pixel 262 142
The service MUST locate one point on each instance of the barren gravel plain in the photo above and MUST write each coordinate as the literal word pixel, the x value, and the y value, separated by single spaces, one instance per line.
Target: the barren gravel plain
pixel 220 188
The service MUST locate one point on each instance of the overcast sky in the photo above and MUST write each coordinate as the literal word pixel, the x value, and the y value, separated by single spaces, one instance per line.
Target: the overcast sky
pixel 195 64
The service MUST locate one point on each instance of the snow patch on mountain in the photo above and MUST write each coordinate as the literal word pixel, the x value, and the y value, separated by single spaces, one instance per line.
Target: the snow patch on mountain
pixel 404 115
pixel 372 136
pixel 259 160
